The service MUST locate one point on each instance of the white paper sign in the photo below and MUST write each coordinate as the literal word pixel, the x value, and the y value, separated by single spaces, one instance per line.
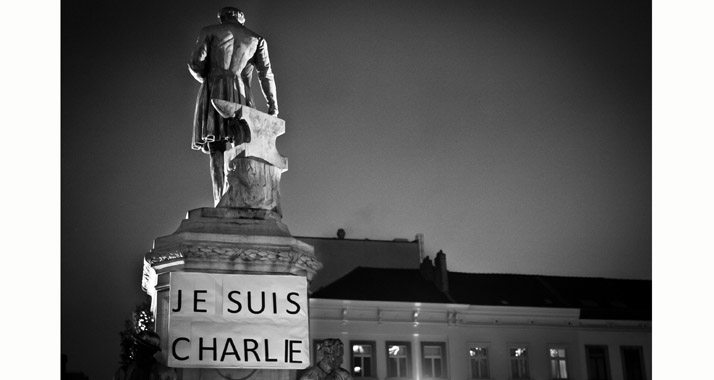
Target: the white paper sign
pixel 238 321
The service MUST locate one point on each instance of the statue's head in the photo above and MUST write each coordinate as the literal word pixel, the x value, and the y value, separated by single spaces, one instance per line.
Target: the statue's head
pixel 330 352
pixel 231 14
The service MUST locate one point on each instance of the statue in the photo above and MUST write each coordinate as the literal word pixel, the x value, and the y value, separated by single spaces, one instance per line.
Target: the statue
pixel 223 61
pixel 144 366
pixel 329 358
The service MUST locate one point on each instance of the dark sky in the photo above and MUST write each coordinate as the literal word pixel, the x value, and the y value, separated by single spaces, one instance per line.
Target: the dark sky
pixel 515 135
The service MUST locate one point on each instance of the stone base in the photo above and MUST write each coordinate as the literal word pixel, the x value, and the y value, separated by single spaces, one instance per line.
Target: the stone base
pixel 224 240
pixel 253 168
pixel 232 241
pixel 252 184
pixel 232 221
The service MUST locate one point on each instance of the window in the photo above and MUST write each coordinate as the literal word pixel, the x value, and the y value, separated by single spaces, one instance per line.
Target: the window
pixel 519 362
pixel 558 365
pixel 478 361
pixel 633 363
pixel 597 362
pixel 433 360
pixel 398 359
pixel 362 359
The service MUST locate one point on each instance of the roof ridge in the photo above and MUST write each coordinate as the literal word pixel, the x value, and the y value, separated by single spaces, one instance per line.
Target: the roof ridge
pixel 358 240
pixel 548 275
pixel 507 274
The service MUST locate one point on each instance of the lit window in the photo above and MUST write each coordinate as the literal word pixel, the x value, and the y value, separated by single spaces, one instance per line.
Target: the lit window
pixel 519 362
pixel 398 360
pixel 558 365
pixel 362 359
pixel 478 358
pixel 433 363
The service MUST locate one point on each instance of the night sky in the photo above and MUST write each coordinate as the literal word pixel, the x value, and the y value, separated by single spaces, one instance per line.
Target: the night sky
pixel 516 136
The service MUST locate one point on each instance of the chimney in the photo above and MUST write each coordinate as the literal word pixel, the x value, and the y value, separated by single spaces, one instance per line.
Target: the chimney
pixel 441 278
pixel 420 241
pixel 341 234
pixel 426 268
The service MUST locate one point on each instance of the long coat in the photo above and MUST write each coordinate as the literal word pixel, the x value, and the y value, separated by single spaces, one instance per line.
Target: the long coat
pixel 223 60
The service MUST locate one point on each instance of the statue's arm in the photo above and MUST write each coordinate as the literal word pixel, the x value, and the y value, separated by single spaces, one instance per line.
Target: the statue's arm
pixel 198 64
pixel 247 76
pixel 265 75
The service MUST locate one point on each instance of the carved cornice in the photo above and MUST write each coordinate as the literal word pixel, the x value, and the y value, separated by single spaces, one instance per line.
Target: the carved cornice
pixel 154 258
pixel 281 255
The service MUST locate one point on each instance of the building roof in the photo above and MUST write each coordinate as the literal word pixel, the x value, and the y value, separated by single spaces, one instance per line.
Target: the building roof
pixel 340 256
pixel 597 298
pixel 383 284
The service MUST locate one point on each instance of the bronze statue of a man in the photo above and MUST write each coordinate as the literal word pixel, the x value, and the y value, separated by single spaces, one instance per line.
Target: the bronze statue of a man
pixel 223 60
pixel 329 358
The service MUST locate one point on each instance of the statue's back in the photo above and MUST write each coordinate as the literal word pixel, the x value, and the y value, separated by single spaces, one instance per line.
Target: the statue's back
pixel 230 47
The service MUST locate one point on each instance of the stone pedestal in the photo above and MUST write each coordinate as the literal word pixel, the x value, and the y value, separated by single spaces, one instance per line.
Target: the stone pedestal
pixel 231 241
pixel 224 240
pixel 244 234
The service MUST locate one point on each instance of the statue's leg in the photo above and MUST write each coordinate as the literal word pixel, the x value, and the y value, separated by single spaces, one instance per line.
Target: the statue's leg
pixel 218 175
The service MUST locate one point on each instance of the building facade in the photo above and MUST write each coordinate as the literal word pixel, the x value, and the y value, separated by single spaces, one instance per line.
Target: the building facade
pixel 428 323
